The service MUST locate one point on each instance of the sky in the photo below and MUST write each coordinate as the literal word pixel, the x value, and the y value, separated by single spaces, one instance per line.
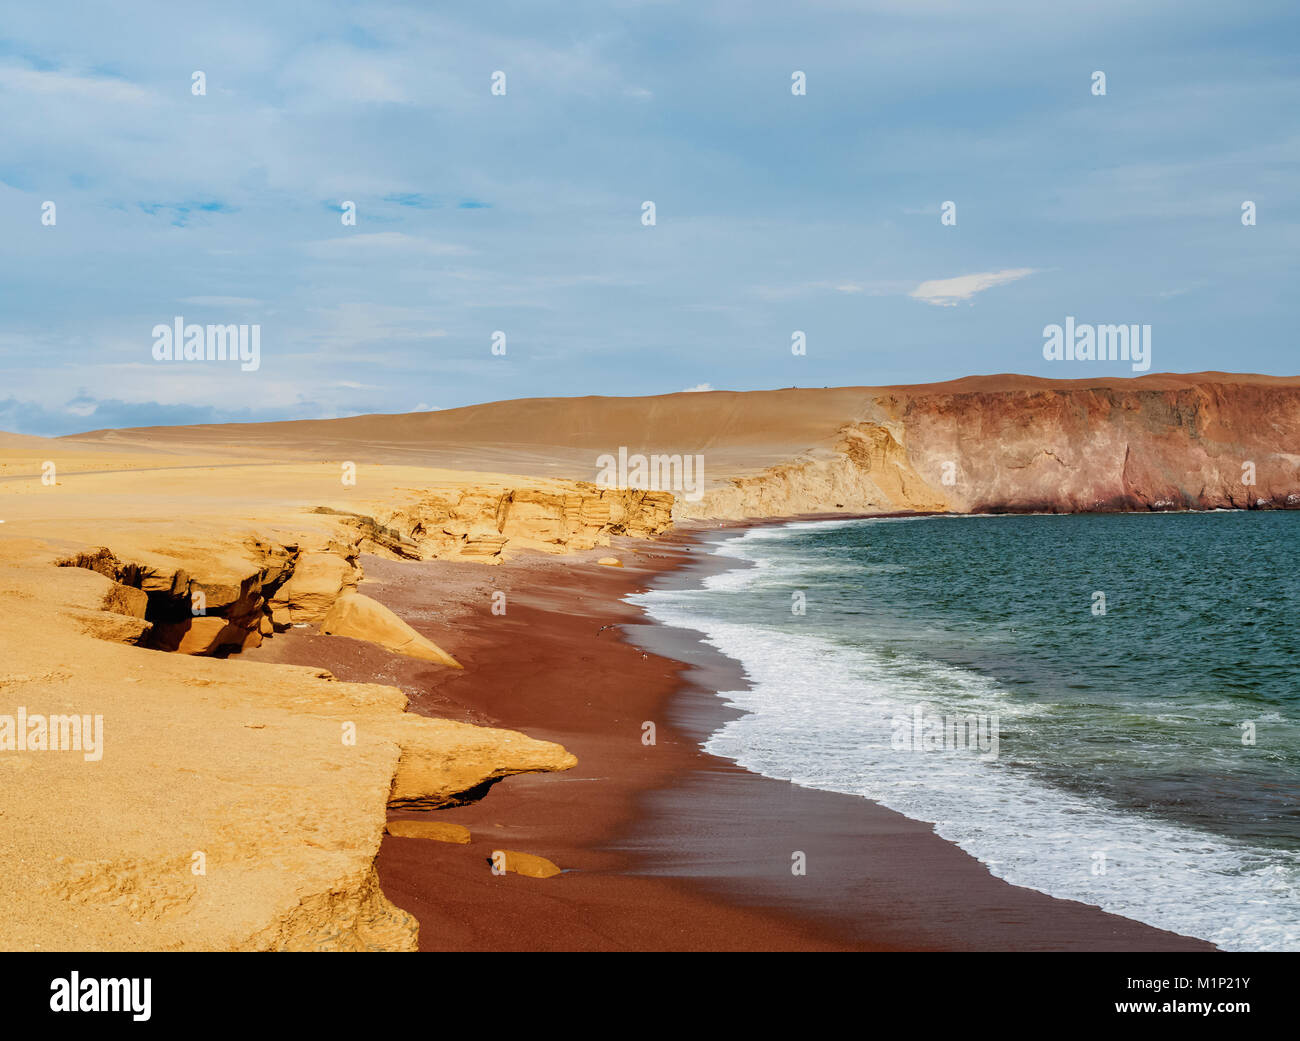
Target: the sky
pixel 522 212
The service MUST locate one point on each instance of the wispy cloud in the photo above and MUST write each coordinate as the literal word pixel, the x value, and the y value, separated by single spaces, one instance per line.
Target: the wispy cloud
pixel 949 292
pixel 415 200
pixel 50 82
pixel 180 212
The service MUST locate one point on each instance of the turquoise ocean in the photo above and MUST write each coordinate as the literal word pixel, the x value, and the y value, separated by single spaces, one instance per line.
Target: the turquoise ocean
pixel 1142 673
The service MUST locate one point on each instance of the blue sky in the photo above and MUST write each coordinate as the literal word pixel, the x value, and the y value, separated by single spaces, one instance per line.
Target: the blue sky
pixel 522 212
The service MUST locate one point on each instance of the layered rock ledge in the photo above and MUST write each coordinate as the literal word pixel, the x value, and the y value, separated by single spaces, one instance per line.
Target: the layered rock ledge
pixel 229 804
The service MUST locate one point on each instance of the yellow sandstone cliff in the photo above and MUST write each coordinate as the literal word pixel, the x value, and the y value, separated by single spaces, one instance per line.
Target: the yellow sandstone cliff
pixel 227 804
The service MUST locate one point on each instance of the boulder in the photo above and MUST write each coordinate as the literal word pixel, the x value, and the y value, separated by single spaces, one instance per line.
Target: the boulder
pixel 116 628
pixel 202 635
pixel 126 600
pixel 446 763
pixel 523 864
pixel 439 831
pixel 318 580
pixel 362 618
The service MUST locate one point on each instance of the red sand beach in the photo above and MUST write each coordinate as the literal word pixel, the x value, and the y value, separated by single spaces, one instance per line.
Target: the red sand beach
pixel 663 847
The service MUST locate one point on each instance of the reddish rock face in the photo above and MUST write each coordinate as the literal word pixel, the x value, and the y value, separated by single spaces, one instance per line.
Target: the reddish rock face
pixel 993 443
pixel 1066 448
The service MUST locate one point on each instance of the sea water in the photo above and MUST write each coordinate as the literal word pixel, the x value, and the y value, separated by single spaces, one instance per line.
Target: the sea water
pixel 1142 674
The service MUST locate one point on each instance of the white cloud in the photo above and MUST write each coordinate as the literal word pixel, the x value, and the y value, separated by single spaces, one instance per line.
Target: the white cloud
pixel 699 388
pixel 949 292
pixel 38 81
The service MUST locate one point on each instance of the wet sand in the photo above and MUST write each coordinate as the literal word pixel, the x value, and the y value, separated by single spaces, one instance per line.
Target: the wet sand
pixel 663 846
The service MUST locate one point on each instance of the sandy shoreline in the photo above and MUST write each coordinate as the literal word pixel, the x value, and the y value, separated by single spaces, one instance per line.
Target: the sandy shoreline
pixel 664 847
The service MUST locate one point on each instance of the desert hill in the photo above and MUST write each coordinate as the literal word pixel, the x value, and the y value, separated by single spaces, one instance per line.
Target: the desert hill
pixel 998 442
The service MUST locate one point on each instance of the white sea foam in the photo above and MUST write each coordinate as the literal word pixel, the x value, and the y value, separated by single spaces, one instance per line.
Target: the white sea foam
pixel 821 714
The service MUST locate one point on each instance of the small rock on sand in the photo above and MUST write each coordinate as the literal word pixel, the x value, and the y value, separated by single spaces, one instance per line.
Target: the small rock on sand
pixel 610 561
pixel 523 863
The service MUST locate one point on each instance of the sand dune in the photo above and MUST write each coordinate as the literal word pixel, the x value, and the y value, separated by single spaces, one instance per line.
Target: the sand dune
pixel 998 442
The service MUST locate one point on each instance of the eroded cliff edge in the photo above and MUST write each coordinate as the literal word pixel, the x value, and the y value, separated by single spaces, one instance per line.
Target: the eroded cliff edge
pixel 226 804
pixel 1163 444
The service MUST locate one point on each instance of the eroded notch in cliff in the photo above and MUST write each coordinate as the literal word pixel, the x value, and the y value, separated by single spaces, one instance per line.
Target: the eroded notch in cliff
pixel 184 616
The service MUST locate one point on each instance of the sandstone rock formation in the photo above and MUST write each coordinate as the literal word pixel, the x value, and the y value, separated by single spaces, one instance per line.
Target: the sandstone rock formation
pixel 235 805
pixel 318 579
pixel 1137 446
pixel 194 598
pixel 477 524
pixel 362 618
pixel 1015 444
pixel 437 831
pixel 454 763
